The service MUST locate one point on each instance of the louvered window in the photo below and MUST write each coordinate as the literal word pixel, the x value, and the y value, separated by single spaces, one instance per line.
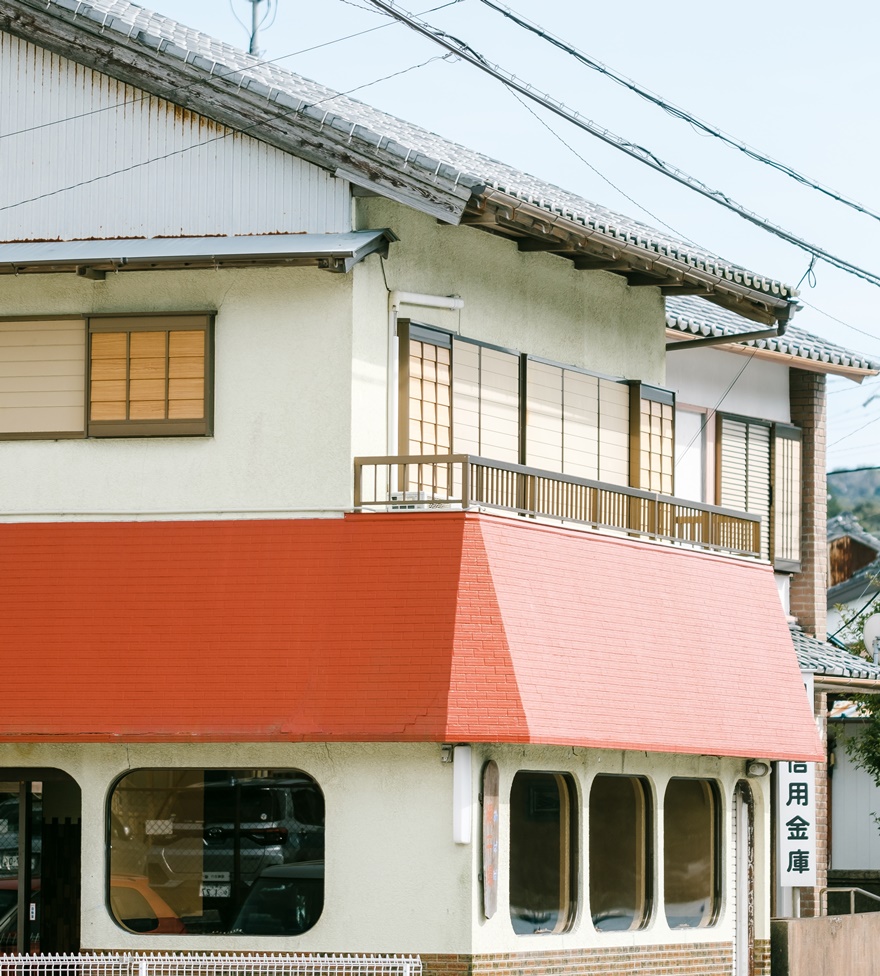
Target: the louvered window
pixel 760 473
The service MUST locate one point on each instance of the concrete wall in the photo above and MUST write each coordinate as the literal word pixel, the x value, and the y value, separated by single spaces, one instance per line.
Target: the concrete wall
pixel 844 944
pixel 395 879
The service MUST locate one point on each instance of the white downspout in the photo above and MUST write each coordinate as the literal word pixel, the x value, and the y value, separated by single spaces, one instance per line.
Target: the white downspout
pixel 395 300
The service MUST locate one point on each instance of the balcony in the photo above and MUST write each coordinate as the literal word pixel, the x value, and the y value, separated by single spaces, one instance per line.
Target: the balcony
pixel 465 482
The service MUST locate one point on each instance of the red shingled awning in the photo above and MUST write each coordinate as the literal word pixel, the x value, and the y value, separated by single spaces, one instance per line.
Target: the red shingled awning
pixel 418 627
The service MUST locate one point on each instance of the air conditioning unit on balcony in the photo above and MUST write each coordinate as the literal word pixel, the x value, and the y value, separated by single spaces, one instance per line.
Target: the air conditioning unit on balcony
pixel 408 501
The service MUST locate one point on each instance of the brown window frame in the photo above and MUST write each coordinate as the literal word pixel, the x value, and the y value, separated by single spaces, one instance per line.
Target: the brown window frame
pixel 153 322
pixel 642 393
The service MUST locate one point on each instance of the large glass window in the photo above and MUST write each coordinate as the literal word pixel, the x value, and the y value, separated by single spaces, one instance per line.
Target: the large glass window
pixel 216 851
pixel 691 853
pixel 543 853
pixel 620 856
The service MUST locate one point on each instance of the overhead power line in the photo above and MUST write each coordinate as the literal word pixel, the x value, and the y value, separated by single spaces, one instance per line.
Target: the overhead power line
pixel 643 155
pixel 675 111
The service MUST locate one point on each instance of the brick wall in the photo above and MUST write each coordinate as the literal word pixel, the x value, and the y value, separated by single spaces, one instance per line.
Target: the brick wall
pixel 808 588
pixel 704 959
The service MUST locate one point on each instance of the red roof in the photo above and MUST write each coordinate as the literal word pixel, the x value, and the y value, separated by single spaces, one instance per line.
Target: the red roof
pixel 429 627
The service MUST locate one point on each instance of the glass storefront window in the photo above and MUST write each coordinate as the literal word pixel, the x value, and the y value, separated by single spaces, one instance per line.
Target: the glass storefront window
pixel 216 851
pixel 543 853
pixel 620 856
pixel 691 853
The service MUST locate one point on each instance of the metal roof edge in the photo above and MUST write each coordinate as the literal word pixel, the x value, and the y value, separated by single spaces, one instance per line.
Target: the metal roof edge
pixel 332 252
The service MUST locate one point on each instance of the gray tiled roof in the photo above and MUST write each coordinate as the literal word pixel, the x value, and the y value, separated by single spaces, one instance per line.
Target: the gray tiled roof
pixel 847 525
pixel 416 147
pixel 826 660
pixel 695 317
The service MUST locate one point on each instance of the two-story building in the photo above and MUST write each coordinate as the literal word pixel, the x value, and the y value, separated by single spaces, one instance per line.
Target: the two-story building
pixel 381 573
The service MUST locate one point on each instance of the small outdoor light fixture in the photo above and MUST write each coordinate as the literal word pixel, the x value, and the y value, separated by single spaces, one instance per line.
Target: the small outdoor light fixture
pixel 755 768
pixel 462 795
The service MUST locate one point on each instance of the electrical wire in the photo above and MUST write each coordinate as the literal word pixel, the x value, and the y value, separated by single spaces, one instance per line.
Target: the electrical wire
pixel 674 110
pixel 220 138
pixel 460 48
pixel 601 175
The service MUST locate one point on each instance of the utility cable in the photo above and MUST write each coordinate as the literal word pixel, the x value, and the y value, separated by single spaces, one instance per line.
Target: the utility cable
pixel 601 175
pixel 674 110
pixel 460 48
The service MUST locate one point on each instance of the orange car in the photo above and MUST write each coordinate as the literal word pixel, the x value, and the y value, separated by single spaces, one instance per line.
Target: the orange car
pixel 133 904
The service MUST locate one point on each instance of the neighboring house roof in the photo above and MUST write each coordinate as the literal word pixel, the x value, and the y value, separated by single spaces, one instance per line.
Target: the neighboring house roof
pixel 417 627
pixel 826 660
pixel 693 317
pixel 377 151
pixel 860 586
pixel 846 525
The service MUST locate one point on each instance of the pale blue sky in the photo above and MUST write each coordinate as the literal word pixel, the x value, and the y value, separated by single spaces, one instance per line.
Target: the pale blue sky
pixel 785 77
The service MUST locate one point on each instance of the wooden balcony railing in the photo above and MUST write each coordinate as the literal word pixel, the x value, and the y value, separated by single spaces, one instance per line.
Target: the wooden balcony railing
pixel 462 481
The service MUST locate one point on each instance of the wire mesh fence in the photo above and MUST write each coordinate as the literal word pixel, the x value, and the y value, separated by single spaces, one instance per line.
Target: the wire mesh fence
pixel 209 964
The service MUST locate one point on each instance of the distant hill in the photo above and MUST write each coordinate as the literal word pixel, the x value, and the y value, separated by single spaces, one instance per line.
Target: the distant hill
pixel 856 491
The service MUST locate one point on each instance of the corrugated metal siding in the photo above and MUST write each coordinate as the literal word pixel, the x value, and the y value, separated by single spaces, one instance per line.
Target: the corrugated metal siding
pixel 65 128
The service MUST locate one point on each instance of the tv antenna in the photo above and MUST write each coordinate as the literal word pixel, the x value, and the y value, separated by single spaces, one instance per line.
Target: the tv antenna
pixel 257 21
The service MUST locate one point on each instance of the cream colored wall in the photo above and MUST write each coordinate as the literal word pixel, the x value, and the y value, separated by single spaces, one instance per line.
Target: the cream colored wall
pixel 396 881
pixel 535 303
pixel 282 399
pixel 496 935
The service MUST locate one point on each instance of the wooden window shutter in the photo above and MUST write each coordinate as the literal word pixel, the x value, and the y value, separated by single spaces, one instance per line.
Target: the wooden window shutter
pixel 42 378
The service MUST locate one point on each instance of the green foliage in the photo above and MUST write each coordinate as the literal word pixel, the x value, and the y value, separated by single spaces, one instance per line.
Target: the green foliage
pixel 864 748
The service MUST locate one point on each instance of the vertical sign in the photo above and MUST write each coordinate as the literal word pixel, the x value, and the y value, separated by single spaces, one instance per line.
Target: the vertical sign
pixel 796 824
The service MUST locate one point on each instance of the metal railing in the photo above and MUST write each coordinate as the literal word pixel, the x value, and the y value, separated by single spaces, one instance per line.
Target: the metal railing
pixel 823 896
pixel 463 481
pixel 209 964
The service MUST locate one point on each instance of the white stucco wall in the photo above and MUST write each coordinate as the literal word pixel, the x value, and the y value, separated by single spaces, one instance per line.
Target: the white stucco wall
pixel 396 881
pixel 534 303
pixel 282 399
pixel 757 388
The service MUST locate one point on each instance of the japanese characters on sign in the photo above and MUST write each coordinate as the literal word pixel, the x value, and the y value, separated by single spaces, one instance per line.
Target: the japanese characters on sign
pixel 796 824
